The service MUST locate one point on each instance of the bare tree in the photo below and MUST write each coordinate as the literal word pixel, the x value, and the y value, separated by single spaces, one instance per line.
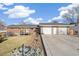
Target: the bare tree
pixel 73 13
pixel 69 16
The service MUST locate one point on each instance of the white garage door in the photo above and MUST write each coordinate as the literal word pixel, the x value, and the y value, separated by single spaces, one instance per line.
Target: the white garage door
pixel 54 31
pixel 46 30
pixel 62 31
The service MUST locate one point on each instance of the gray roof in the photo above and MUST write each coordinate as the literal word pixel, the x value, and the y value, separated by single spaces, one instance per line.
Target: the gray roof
pixel 22 26
pixel 55 24
pixel 52 24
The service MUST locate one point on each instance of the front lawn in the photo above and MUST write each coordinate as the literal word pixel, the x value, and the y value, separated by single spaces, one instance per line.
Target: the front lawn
pixel 13 42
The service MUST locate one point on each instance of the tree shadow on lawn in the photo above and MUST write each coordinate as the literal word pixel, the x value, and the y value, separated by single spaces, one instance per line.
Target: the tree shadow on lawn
pixel 2 40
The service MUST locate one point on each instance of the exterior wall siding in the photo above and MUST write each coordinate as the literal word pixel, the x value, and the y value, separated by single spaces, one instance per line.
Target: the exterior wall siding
pixel 19 31
pixel 14 31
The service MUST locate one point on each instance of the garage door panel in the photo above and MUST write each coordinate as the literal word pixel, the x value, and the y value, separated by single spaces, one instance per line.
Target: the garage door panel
pixel 62 31
pixel 54 31
pixel 47 30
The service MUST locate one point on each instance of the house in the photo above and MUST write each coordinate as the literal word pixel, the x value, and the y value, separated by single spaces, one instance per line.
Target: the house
pixel 56 29
pixel 76 27
pixel 20 29
pixel 2 27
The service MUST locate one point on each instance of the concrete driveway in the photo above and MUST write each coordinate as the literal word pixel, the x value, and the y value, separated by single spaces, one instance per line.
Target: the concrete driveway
pixel 61 45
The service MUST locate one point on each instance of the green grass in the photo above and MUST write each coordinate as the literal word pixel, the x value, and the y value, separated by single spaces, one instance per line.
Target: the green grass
pixel 13 42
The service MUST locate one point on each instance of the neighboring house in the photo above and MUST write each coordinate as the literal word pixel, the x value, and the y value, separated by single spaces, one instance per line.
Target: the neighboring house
pixel 56 29
pixel 20 29
pixel 76 28
pixel 2 27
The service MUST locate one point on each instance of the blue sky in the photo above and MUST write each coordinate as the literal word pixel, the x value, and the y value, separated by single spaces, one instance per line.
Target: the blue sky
pixel 38 12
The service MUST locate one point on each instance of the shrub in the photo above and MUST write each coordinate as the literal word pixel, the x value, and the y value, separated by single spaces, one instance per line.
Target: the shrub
pixel 2 37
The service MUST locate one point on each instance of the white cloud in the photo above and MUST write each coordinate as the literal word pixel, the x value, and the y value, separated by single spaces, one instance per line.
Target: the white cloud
pixel 70 10
pixel 58 18
pixel 63 12
pixel 67 10
pixel 49 20
pixel 19 12
pixel 2 7
pixel 71 6
pixel 7 4
pixel 33 20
